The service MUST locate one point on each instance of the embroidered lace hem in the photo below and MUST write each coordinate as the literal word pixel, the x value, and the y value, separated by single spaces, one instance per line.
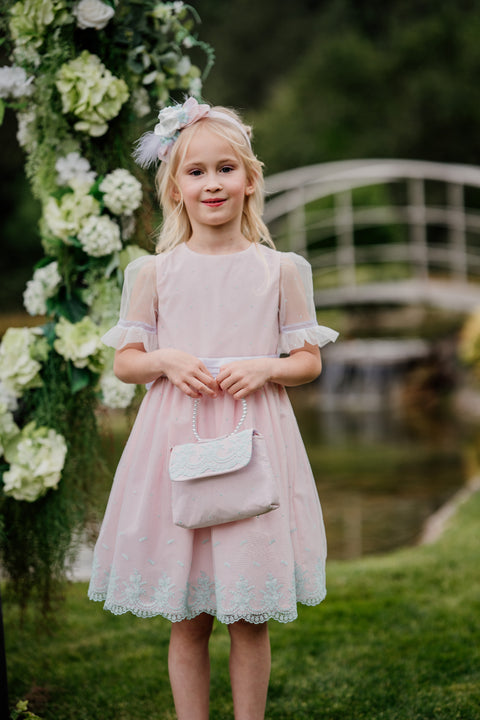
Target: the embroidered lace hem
pixel 282 616
pixel 126 333
pixel 293 337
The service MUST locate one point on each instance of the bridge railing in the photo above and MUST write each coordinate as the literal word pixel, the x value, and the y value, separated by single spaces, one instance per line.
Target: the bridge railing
pixel 367 222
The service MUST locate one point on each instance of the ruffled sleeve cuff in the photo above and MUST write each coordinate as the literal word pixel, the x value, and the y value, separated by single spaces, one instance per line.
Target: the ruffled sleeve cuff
pixel 293 337
pixel 126 332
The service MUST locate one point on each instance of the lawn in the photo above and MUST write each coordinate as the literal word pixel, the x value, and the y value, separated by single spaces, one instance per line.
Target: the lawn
pixel 398 638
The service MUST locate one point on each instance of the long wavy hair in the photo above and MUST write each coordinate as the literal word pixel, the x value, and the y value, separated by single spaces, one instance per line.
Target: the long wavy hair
pixel 176 227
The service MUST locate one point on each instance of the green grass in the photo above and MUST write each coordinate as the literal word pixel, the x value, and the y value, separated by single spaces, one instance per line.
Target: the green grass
pixel 398 638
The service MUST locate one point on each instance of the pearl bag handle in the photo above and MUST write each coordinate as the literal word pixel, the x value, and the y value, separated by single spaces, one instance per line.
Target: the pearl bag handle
pixel 196 403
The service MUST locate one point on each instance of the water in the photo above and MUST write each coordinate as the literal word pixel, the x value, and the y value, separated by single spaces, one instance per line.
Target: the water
pixel 385 444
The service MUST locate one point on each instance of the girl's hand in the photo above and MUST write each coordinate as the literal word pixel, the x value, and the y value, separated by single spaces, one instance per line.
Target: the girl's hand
pixel 187 373
pixel 133 365
pixel 243 377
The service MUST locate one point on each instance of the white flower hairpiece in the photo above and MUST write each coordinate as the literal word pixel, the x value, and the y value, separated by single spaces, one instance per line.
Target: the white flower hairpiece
pixel 157 145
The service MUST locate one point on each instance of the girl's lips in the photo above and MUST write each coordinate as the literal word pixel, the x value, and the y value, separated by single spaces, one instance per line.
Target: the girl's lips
pixel 214 203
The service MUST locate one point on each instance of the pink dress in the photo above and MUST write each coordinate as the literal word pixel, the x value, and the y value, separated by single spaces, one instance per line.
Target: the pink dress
pixel 258 302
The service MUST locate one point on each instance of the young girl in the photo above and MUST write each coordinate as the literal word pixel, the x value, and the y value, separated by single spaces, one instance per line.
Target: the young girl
pixel 209 317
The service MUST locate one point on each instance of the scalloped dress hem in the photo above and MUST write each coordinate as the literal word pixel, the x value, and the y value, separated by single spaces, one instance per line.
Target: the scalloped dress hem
pixel 226 619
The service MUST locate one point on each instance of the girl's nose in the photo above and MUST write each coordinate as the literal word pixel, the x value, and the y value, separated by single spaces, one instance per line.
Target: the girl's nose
pixel 212 183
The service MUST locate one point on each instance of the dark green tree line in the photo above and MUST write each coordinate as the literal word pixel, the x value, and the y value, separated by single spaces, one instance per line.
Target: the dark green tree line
pixel 321 80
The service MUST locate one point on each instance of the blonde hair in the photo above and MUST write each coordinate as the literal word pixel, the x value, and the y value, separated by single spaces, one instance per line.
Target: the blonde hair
pixel 176 227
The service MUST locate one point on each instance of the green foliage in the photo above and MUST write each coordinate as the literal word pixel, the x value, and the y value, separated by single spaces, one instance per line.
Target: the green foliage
pixel 397 82
pixel 39 537
pixel 21 712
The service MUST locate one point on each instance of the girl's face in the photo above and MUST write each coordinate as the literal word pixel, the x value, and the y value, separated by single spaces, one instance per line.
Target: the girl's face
pixel 213 183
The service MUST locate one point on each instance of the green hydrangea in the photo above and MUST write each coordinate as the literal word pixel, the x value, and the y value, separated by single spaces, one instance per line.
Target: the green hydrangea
pixel 91 93
pixel 30 18
pixel 21 355
pixel 129 254
pixel 103 296
pixel 65 217
pixel 36 457
pixel 80 343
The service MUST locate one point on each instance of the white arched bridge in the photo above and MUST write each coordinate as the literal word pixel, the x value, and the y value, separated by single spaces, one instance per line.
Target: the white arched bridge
pixel 382 231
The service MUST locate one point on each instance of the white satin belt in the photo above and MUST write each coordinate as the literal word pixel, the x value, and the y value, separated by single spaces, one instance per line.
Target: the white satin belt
pixel 213 365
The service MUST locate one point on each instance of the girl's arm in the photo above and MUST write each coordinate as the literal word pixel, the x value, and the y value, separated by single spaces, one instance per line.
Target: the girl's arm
pixel 242 377
pixel 133 364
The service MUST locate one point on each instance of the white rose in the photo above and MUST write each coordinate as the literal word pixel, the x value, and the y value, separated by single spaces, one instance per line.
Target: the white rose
pixel 170 121
pixel 93 14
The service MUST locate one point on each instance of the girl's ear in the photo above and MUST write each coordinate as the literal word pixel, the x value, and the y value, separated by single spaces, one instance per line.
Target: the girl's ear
pixel 175 194
pixel 250 188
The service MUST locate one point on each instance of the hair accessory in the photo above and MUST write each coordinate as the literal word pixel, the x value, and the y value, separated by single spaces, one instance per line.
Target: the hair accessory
pixel 157 145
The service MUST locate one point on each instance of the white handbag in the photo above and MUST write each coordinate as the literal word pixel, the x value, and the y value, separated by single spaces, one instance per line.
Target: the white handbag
pixel 221 480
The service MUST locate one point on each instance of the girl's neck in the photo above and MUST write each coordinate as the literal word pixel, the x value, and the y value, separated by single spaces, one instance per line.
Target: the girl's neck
pixel 218 243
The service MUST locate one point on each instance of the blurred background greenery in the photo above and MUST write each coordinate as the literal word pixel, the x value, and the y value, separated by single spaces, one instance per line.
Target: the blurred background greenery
pixel 320 81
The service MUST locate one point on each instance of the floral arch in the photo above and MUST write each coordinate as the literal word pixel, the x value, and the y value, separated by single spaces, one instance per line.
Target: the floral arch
pixel 86 78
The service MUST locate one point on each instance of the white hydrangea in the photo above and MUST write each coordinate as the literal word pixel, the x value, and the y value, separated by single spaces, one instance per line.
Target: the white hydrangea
pixel 93 14
pixel 65 217
pixel 74 167
pixel 36 456
pixel 122 192
pixel 14 82
pixel 115 393
pixel 100 236
pixel 42 286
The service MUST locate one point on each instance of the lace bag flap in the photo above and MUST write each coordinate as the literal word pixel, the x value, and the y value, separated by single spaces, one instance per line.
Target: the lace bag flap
pixel 209 458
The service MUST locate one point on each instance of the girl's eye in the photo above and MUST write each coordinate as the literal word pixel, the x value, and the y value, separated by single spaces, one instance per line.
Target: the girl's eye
pixel 227 169
pixel 195 172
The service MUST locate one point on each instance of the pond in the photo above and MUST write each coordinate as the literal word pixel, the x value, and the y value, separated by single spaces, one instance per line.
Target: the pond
pixel 386 446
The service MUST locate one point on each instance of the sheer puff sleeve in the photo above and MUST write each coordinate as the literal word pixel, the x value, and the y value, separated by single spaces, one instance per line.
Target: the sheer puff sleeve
pixel 138 309
pixel 298 320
